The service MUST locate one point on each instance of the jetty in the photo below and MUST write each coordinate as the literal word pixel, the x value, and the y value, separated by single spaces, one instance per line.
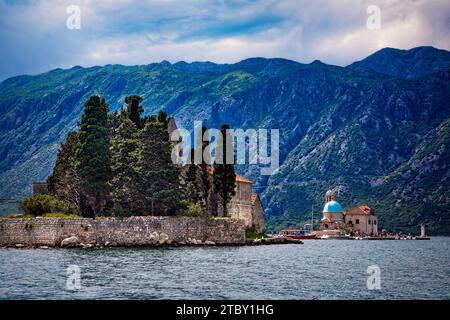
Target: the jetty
pixel 271 241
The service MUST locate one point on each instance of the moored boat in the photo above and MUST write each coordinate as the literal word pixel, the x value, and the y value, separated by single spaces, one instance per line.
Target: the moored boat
pixel 297 234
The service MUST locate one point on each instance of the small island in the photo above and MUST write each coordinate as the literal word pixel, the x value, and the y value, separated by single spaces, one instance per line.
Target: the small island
pixel 114 183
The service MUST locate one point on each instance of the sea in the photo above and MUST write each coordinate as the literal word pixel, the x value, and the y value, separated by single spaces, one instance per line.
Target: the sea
pixel 317 269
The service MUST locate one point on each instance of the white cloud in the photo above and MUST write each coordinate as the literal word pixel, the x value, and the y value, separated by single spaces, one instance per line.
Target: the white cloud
pixel 34 36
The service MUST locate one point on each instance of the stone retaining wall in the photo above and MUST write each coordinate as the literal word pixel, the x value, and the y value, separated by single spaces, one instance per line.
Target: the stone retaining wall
pixel 133 231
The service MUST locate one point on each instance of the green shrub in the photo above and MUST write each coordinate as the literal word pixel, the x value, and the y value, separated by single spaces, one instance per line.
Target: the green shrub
pixel 251 234
pixel 183 204
pixel 19 216
pixel 195 210
pixel 60 215
pixel 40 204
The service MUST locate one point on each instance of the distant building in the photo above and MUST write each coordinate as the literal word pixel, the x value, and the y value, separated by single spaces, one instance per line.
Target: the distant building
pixel 246 205
pixel 333 218
pixel 361 220
pixel 40 188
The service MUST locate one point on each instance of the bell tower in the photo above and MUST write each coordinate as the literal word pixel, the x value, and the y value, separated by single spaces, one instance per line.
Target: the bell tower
pixel 329 196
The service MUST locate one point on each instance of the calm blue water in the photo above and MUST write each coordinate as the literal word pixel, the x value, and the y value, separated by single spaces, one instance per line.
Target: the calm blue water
pixel 324 269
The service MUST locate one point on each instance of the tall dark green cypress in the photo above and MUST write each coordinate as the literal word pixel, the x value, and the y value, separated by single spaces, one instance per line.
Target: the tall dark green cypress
pixel 224 175
pixel 159 177
pixel 125 180
pixel 93 158
pixel 63 183
pixel 162 117
pixel 205 172
pixel 134 110
pixel 192 187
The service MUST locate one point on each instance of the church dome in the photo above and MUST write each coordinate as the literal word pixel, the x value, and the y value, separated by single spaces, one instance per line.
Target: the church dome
pixel 332 206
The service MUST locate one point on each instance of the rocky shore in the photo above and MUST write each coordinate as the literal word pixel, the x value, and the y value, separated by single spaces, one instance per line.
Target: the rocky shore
pixel 160 241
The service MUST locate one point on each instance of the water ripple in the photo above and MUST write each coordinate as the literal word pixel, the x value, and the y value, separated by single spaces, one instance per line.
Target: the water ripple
pixel 316 270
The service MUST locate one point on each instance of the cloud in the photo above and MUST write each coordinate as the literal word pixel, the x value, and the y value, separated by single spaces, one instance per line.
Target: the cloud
pixel 35 38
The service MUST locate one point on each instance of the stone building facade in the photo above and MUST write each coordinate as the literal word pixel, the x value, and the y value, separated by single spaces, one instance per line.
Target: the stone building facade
pixel 362 220
pixel 246 205
pixel 40 188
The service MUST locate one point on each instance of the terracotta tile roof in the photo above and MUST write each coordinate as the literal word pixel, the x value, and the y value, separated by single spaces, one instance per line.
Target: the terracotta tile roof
pixel 361 210
pixel 242 179
pixel 238 177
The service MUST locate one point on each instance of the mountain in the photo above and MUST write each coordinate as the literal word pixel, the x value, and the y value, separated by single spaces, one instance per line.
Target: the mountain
pixel 375 132
pixel 404 64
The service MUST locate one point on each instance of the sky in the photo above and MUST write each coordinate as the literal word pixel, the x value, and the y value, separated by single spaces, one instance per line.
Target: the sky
pixel 35 37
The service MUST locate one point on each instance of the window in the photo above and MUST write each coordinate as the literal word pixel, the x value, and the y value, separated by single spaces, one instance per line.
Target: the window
pixel 369 221
pixel 357 221
pixel 350 222
pixel 374 221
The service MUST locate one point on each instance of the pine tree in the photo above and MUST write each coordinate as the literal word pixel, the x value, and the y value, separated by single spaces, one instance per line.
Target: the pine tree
pixel 162 117
pixel 224 176
pixel 93 159
pixel 192 185
pixel 205 173
pixel 134 110
pixel 124 184
pixel 159 177
pixel 63 183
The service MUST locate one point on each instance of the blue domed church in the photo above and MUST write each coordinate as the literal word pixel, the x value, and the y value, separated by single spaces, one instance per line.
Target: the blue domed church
pixel 361 220
pixel 333 216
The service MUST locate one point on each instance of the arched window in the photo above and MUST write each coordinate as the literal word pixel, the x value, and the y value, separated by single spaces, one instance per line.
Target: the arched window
pixel 326 226
pixel 357 221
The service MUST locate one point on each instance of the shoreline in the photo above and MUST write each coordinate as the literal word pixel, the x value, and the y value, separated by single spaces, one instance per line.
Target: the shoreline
pixel 130 232
pixel 192 243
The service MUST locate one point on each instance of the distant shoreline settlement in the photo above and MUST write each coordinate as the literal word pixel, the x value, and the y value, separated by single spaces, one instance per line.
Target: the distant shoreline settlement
pixel 357 223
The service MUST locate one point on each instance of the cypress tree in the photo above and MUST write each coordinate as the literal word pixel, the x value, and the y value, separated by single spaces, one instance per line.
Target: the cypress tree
pixel 224 177
pixel 134 110
pixel 205 174
pixel 159 177
pixel 93 158
pixel 192 190
pixel 124 183
pixel 162 117
pixel 63 183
